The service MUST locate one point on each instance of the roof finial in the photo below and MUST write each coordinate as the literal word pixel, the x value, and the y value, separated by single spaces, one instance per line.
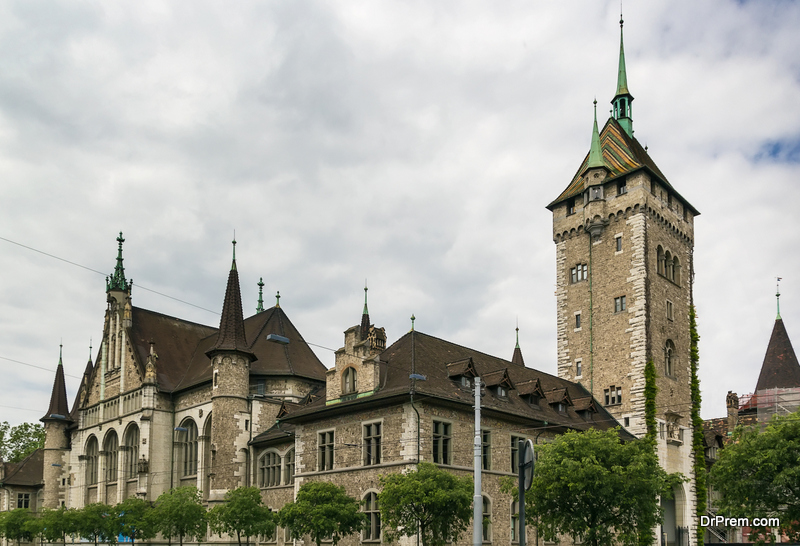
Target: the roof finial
pixel 413 318
pixel 260 307
pixel 278 299
pixel 365 315
pixel 517 346
pixel 778 296
pixel 233 263
pixel 117 280
pixel 366 311
pixel 60 347
pixel 90 348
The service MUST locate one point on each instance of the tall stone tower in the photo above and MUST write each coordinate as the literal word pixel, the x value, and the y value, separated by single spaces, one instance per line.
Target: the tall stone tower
pixel 56 443
pixel 624 241
pixel 230 418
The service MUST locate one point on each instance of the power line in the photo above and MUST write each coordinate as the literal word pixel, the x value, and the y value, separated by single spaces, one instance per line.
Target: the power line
pixel 37 367
pixel 104 274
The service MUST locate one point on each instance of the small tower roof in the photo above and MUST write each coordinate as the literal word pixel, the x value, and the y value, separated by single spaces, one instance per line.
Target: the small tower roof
pixel 780 368
pixel 365 315
pixel 231 325
pixel 58 398
pixel 517 358
pixel 595 151
pixel 117 280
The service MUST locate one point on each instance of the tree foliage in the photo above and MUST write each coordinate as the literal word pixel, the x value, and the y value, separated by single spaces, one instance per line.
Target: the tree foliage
pixel 430 501
pixel 243 513
pixel 18 442
pixel 701 491
pixel 650 393
pixel 324 511
pixel 15 525
pixel 180 513
pixel 132 519
pixel 57 524
pixel 93 522
pixel 758 475
pixel 598 489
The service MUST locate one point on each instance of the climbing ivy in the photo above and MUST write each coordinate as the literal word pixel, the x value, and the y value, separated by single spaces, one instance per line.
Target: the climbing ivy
pixel 700 486
pixel 650 392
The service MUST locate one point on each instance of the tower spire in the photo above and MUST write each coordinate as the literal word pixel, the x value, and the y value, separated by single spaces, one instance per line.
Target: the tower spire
pixel 58 409
pixel 117 280
pixel 231 325
pixel 365 315
pixel 623 98
pixel 778 298
pixel 233 263
pixel 517 357
pixel 260 307
pixel 595 152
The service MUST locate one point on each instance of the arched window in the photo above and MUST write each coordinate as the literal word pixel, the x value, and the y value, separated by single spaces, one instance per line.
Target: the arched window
pixel 487 519
pixel 288 477
pixel 132 442
pixel 92 454
pixel 669 358
pixel 111 447
pixel 660 257
pixel 189 449
pixel 349 381
pixel 269 470
pixel 670 272
pixel 676 270
pixel 372 531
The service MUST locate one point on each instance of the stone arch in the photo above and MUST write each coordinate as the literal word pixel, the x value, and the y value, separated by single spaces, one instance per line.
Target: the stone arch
pixel 111 449
pixel 131 441
pixel 91 451
pixel 188 442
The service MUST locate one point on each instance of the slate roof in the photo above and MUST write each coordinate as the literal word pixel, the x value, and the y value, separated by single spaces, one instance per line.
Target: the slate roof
pixel 432 356
pixel 622 155
pixel 58 398
pixel 29 472
pixel 231 324
pixel 780 368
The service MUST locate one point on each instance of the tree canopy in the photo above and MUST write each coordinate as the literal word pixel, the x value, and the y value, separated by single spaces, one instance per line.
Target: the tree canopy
pixel 131 518
pixel 243 513
pixel 18 442
pixel 180 513
pixel 758 476
pixel 592 486
pixel 428 500
pixel 324 511
pixel 93 522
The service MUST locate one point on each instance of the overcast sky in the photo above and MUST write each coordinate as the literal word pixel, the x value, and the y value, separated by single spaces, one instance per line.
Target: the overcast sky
pixel 412 143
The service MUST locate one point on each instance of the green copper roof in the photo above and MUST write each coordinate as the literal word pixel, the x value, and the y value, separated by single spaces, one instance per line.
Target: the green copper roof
pixel 622 76
pixel 117 280
pixel 595 153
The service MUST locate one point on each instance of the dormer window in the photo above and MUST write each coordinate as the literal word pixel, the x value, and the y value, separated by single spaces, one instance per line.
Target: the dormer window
pixel 349 381
pixel 502 392
pixel 465 381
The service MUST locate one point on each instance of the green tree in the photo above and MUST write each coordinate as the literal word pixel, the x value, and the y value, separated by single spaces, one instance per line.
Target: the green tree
pixel 598 489
pixel 57 524
pixel 243 513
pixel 758 476
pixel 15 525
pixel 131 518
pixel 324 511
pixel 93 522
pixel 18 442
pixel 180 513
pixel 428 500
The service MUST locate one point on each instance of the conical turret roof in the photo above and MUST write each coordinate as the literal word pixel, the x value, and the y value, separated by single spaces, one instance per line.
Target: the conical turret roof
pixel 780 368
pixel 58 398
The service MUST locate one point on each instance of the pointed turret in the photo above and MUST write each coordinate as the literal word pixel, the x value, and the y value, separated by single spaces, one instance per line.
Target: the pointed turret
pixel 365 316
pixel 595 152
pixel 517 358
pixel 780 368
pixel 117 280
pixel 622 100
pixel 231 325
pixel 59 409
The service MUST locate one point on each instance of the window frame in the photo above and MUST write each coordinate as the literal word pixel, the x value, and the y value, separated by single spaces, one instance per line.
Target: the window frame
pixel 486 449
pixel 23 500
pixel 111 449
pixel 372 530
pixel 349 380
pixel 486 511
pixel 269 469
pixel 189 451
pixel 326 440
pixel 372 433
pixel 132 439
pixel 289 467
pixel 92 454
pixel 620 304
pixel 442 447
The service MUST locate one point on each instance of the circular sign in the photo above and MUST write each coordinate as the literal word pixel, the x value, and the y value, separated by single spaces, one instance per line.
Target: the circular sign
pixel 527 464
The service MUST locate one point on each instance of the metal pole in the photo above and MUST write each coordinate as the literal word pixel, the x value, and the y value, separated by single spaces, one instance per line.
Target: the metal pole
pixel 521 445
pixel 477 499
